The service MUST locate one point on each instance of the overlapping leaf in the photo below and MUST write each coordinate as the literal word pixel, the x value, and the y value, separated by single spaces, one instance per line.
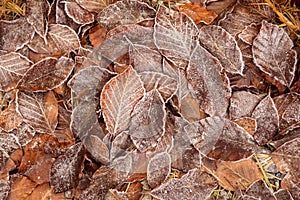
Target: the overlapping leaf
pixel 260 190
pixel 118 98
pixel 12 67
pixel 94 5
pixel 8 144
pixel 9 118
pixel 78 14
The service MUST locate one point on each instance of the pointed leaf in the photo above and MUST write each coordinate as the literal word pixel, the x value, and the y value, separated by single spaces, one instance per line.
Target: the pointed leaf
pixel 9 118
pixel 260 190
pixel 40 110
pixel 223 46
pixel 273 54
pixel 12 67
pixel 249 33
pixel 118 99
pixel 47 74
pixel 78 14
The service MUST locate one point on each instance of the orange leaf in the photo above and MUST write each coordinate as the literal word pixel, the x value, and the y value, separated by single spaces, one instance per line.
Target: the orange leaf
pixel 198 13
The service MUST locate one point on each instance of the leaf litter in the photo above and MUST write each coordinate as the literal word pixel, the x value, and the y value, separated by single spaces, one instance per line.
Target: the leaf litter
pixel 146 100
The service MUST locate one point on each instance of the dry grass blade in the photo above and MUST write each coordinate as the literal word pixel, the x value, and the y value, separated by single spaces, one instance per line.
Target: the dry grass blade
pixel 12 9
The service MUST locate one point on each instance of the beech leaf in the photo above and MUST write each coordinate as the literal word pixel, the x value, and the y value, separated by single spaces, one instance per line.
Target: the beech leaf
pixel 8 144
pixel 260 190
pixel 9 118
pixel 78 14
pixel 94 5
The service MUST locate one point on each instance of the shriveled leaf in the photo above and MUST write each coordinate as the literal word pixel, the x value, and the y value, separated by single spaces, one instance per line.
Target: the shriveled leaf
pixel 15 34
pixel 159 168
pixel 273 54
pixel 65 170
pixel 288 111
pixel 223 46
pixel 266 116
pixel 249 33
pixel 78 14
pixel 242 104
pixel 21 188
pixel 125 12
pixel 9 118
pixel 174 34
pixel 36 15
pixel 165 85
pixel 148 121
pixel 220 138
pixel 47 74
pixel 260 190
pixel 40 110
pixel 210 87
pixel 190 186
pixel 8 144
pixel 12 67
pixel 94 5
pixel 198 13
pixel 118 98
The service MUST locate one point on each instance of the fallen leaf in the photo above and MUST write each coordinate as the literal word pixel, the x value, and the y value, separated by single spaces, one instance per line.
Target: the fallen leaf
pixel 97 148
pixel 8 144
pixel 78 14
pixel 97 35
pixel 273 54
pixel 9 118
pixel 21 188
pixel 94 5
pixel 247 123
pixel 24 133
pixel 5 189
pixel 283 194
pixel 249 33
pixel 44 192
pixel 40 110
pixel 260 190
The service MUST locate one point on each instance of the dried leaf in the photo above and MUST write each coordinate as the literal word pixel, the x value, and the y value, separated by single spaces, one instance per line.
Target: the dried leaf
pixel 78 14
pixel 260 190
pixel 40 110
pixel 97 148
pixel 44 192
pixel 39 172
pixel 223 46
pixel 220 138
pixel 15 34
pixel 125 12
pixel 249 33
pixel 174 34
pixel 148 121
pixel 97 35
pixel 198 13
pixel 94 5
pixel 118 99
pixel 47 74
pixel 266 116
pixel 211 88
pixel 4 189
pixel 24 133
pixel 273 54
pixel 165 85
pixel 8 144
pixel 65 170
pixel 12 67
pixel 159 168
pixel 36 15
pixel 9 118
pixel 283 194
pixel 247 123
pixel 190 186
pixel 21 188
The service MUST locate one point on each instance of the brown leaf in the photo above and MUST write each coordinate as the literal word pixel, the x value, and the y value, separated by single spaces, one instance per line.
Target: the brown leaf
pixel 283 194
pixel 125 12
pixel 4 189
pixel 97 35
pixel 249 33
pixel 248 123
pixel 94 5
pixel 198 13
pixel 78 14
pixel 118 99
pixel 266 116
pixel 44 192
pixel 40 110
pixel 15 34
pixel 12 67
pixel 65 170
pixel 21 188
pixel 97 148
pixel 47 74
pixel 9 118
pixel 194 185
pixel 8 144
pixel 260 190
pixel 273 54
pixel 39 172
pixel 24 133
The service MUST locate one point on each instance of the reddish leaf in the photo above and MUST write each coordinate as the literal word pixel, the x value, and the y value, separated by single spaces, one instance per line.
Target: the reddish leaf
pixel 47 74
pixel 78 14
pixel 12 67
pixel 267 119
pixel 159 168
pixel 190 186
pixel 249 33
pixel 125 12
pixel 94 5
pixel 273 54
pixel 247 123
pixel 4 189
pixel 65 170
pixel 260 190
pixel 9 118
pixel 118 99
pixel 15 34
pixel 148 121
pixel 44 192
pixel 21 188
pixel 212 135
pixel 24 133
pixel 211 88
pixel 223 46
pixel 39 172
pixel 97 35
pixel 39 110
pixel 8 144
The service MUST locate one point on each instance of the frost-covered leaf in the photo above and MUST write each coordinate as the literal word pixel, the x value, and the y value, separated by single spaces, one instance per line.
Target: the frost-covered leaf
pixel 4 189
pixel 125 12
pixel 8 144
pixel 78 14
pixel 190 186
pixel 220 138
pixel 283 194
pixel 242 104
pixel 249 33
pixel 273 54
pixel 118 98
pixel 47 74
pixel 66 168
pixel 97 148
pixel 211 88
pixel 159 168
pixel 267 119
pixel 223 46
pixel 260 190
pixel 174 34
pixel 260 8
pixel 24 133
pixel 9 118
pixel 165 85
pixel 148 121
pixel 12 67
pixel 36 14
pixel 40 110
pixel 15 34
pixel 94 5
